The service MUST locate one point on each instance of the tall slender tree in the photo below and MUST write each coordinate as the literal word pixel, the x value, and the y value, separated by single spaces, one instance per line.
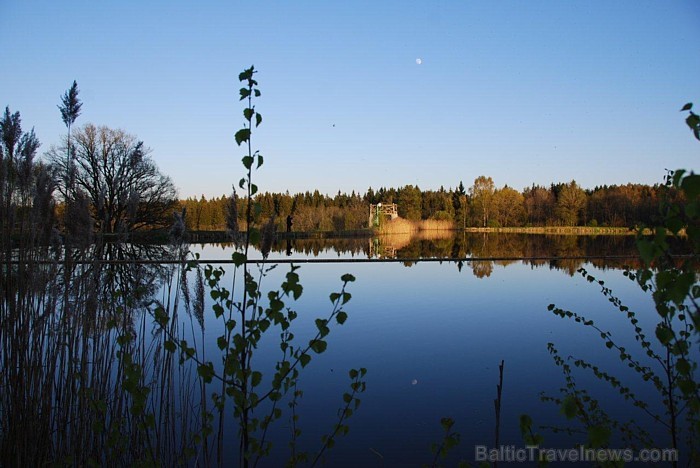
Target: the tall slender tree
pixel 70 110
pixel 482 194
pixel 459 202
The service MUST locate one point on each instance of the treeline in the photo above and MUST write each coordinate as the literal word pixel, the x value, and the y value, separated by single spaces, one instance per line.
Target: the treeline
pixel 309 211
pixel 481 205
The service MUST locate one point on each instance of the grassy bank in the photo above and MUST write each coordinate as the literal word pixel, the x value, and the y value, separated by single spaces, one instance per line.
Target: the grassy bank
pixel 572 230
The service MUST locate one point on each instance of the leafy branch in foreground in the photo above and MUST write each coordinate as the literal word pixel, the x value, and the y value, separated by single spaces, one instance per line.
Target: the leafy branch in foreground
pixel 238 380
pixel 670 364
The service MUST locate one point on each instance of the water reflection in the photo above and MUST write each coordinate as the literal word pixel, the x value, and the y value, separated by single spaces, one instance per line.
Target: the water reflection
pixel 60 316
pixel 66 316
pixel 454 245
pixel 481 251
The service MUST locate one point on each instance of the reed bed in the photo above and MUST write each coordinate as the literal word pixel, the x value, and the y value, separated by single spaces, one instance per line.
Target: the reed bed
pixel 405 226
pixel 78 350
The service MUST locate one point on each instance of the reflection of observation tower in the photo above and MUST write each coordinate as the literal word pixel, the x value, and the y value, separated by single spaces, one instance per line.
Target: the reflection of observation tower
pixel 381 248
pixel 381 210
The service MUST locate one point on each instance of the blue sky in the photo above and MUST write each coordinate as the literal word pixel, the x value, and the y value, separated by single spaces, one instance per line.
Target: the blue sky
pixel 522 91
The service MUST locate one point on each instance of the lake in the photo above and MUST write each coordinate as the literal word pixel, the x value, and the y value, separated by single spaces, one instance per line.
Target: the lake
pixel 431 332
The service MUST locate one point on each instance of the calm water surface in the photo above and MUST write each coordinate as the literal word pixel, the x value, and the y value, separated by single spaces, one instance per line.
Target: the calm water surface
pixel 432 334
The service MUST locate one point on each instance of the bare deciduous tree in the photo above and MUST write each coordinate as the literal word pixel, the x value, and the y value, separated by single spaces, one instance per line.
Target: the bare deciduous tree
pixel 126 190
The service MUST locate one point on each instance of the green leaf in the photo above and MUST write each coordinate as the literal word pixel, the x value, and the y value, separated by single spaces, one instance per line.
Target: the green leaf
pixel 569 408
pixel 247 161
pixel 238 258
pixel 297 291
pixel 341 317
pixel 257 93
pixel 664 334
pixel 304 359
pixel 242 135
pixel 347 278
pixel 683 366
pixel 598 436
pixel 206 372
pixel 260 161
pixel 221 342
pixel 246 74
pixel 244 92
pixel 525 421
pixel 691 185
pixel 677 176
pixel 447 423
pixel 674 224
pixel 169 346
pixel 334 297
pixel 646 250
pixel 688 106
pixel 687 386
pixel 318 346
pixel 258 119
pixel 248 113
pixel 255 378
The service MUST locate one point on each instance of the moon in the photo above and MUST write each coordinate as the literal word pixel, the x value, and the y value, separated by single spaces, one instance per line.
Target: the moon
pixel 419 61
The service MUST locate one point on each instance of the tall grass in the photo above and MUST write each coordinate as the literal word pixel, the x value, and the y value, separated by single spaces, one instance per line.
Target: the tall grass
pixel 405 226
pixel 73 336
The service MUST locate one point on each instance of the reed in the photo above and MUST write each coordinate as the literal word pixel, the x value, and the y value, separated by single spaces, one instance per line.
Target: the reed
pixel 405 226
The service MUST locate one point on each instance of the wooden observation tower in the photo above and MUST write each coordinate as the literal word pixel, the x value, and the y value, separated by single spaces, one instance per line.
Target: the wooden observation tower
pixel 382 211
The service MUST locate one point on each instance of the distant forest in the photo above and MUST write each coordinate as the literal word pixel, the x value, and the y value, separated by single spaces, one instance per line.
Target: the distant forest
pixel 481 205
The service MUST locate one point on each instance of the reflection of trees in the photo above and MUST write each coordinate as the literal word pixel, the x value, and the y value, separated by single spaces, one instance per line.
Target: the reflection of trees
pixel 502 248
pixel 315 247
pixel 59 322
pixel 568 246
pixel 101 272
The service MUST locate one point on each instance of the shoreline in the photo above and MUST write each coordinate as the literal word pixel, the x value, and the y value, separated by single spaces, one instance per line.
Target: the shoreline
pixel 222 236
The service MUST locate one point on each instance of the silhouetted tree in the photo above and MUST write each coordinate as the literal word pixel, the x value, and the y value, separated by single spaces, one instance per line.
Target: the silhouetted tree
pixel 26 188
pixel 70 110
pixel 126 190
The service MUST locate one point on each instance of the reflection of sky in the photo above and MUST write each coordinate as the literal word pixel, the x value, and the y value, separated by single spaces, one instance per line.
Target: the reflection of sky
pixel 431 339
